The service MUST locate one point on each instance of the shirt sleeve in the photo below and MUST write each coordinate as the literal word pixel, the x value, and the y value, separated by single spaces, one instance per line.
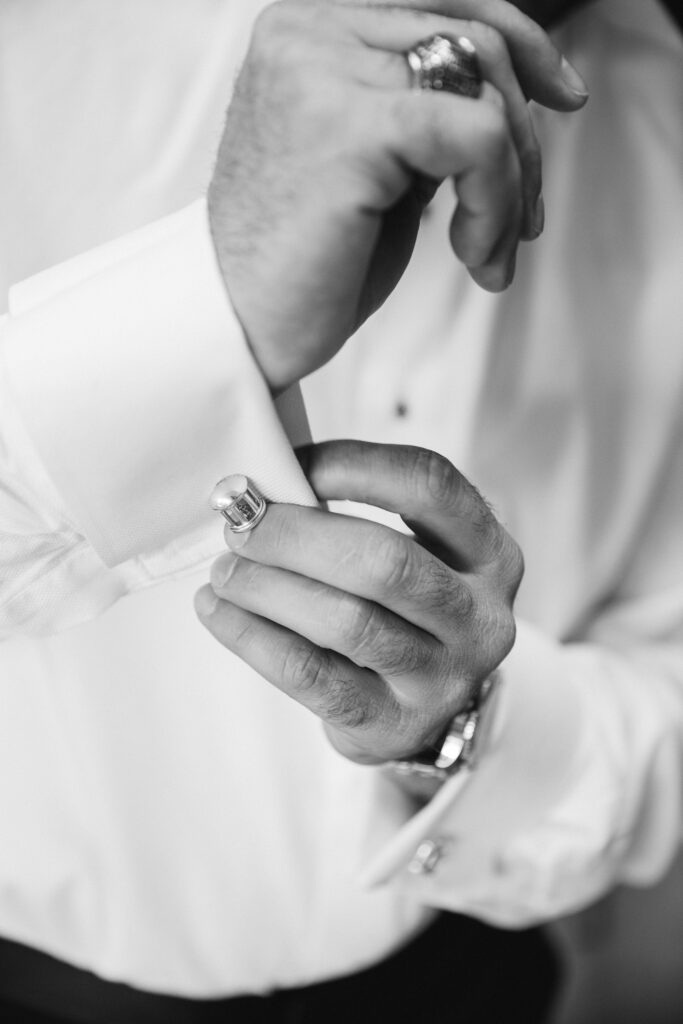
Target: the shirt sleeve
pixel 581 786
pixel 127 390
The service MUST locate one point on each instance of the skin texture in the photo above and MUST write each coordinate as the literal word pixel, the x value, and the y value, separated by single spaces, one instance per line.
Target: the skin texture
pixel 383 635
pixel 326 163
pixel 328 158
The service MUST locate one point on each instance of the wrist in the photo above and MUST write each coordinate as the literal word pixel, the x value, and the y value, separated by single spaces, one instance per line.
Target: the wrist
pixel 457 751
pixel 277 370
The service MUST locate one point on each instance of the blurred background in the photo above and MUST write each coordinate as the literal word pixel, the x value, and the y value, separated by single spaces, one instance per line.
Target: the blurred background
pixel 624 957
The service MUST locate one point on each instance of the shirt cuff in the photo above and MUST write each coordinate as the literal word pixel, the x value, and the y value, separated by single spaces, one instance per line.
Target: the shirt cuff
pixel 135 382
pixel 529 761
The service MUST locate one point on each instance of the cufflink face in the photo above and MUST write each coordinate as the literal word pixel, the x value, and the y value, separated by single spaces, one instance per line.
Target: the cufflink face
pixel 239 502
pixel 427 856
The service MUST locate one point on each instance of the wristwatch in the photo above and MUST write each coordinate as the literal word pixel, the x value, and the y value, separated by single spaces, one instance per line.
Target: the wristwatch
pixel 462 743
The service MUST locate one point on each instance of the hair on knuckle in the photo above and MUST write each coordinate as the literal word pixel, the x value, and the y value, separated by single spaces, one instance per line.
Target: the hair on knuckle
pixel 402 654
pixel 375 640
pixel 305 669
pixel 342 707
pixel 378 645
pixel 437 478
pixel 389 562
pixel 461 601
pixel 435 582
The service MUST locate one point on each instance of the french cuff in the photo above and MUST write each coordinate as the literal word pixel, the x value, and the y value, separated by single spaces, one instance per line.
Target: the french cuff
pixel 449 853
pixel 135 382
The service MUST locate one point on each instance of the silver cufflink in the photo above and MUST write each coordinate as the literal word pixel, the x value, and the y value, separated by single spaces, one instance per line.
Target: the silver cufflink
pixel 427 856
pixel 239 502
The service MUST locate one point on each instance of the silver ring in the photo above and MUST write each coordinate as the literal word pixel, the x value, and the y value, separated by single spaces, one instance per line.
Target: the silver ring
pixel 239 502
pixel 445 64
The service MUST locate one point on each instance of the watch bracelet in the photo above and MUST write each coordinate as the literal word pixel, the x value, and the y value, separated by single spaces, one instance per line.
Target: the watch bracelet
pixel 460 744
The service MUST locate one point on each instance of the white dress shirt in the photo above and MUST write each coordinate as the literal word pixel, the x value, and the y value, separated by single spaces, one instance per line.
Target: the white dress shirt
pixel 168 818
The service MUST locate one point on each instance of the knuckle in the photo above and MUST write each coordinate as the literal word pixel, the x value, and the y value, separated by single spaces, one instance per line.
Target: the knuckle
pixel 490 40
pixel 358 623
pixel 405 656
pixel 389 562
pixel 312 679
pixel 305 670
pixel 437 479
pixel 373 641
pixel 434 585
pixel 461 602
pixel 292 65
pixel 342 707
pixel 398 653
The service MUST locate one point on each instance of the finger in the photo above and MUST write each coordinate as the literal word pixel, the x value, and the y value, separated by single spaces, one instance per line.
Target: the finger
pixel 421 486
pixel 364 632
pixel 489 217
pixel 496 67
pixel 384 70
pixel 544 74
pixel 364 559
pixel 497 271
pixel 350 699
pixel 443 136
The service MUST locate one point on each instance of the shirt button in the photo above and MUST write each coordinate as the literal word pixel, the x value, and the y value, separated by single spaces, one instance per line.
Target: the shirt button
pixel 401 410
pixel 426 857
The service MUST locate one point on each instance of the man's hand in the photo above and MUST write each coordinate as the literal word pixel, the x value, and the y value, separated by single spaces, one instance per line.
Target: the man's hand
pixel 328 158
pixel 384 636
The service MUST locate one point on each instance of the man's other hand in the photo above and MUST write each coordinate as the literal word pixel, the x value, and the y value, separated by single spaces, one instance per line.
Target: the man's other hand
pixel 328 158
pixel 383 635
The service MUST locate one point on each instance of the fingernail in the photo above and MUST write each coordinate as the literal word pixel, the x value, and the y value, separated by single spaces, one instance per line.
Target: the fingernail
pixel 205 603
pixel 221 570
pixel 573 79
pixel 538 215
pixel 235 541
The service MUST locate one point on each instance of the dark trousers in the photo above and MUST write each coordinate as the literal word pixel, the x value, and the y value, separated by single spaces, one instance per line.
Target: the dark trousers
pixel 457 972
